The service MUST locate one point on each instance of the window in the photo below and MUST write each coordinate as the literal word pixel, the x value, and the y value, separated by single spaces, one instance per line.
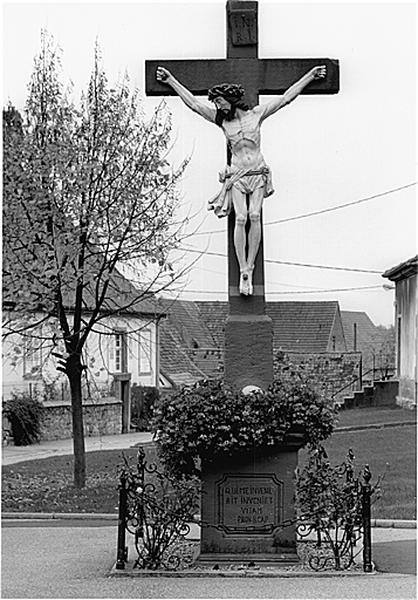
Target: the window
pixel 145 349
pixel 121 352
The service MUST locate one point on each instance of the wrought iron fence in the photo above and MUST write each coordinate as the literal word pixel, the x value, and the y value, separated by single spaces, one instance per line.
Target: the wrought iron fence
pixel 337 538
pixel 158 514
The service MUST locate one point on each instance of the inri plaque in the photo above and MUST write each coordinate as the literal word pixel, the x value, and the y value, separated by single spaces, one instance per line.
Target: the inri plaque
pixel 249 503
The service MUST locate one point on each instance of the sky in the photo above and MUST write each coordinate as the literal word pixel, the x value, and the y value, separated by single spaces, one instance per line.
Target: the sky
pixel 357 147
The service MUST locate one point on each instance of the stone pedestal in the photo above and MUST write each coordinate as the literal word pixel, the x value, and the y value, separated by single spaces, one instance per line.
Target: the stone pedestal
pixel 245 502
pixel 249 350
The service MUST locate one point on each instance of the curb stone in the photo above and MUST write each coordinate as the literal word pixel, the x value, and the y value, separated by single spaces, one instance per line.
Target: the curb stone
pixel 59 516
pixel 347 428
pixel 394 523
pixel 244 573
pixel 387 523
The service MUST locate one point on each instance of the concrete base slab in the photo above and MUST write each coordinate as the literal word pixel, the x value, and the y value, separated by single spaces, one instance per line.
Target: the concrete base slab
pixel 236 571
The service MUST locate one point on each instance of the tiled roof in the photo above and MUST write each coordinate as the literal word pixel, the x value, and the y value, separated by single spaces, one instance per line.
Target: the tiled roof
pixel 122 296
pixel 303 326
pixel 214 314
pixel 174 362
pixel 187 349
pixel 370 339
pixel 184 316
pixel 306 327
pixel 297 326
pixel 367 333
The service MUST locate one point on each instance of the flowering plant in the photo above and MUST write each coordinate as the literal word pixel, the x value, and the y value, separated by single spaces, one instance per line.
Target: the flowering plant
pixel 210 419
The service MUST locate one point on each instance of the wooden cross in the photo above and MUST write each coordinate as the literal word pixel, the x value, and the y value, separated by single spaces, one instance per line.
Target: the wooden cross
pixel 258 76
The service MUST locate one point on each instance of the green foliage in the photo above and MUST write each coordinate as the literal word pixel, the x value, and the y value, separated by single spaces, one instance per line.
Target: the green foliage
pixel 143 401
pixel 25 414
pixel 209 419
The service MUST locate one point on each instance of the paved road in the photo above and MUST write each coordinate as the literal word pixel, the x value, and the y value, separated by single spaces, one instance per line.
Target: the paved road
pixel 74 562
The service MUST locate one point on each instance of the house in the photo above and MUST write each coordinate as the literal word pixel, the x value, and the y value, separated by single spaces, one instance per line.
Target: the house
pixel 374 343
pixel 188 351
pixel 306 327
pixel 122 349
pixel 307 333
pixel 340 350
pixel 404 276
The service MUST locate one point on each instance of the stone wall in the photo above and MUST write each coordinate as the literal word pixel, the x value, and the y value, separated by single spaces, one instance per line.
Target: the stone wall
pixel 104 418
pixel 328 371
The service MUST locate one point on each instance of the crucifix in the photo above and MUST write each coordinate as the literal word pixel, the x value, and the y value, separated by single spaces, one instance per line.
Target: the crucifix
pixel 248 335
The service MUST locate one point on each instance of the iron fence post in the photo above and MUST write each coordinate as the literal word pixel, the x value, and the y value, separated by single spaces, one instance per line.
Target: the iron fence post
pixel 122 552
pixel 367 538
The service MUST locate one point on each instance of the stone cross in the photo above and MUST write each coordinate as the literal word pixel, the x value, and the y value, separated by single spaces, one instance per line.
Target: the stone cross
pixel 248 350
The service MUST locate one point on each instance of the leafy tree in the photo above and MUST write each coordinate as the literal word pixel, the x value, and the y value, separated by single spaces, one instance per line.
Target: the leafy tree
pixel 87 192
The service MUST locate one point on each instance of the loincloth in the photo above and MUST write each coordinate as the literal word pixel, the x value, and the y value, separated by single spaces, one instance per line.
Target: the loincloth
pixel 244 180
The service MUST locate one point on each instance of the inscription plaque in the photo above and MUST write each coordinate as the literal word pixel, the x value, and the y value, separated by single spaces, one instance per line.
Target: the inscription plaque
pixel 250 503
pixel 243 27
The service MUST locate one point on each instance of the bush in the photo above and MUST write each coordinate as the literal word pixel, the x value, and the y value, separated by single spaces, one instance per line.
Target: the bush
pixel 210 418
pixel 159 510
pixel 24 413
pixel 329 501
pixel 143 401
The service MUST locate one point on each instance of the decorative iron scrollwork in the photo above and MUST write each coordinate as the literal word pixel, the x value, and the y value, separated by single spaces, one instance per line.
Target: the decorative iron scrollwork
pixel 158 510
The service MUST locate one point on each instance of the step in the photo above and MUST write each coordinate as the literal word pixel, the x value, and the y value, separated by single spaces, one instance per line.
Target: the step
pixel 284 559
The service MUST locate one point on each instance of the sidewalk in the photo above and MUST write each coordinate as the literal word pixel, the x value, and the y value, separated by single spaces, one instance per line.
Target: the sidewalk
pixel 393 549
pixel 15 454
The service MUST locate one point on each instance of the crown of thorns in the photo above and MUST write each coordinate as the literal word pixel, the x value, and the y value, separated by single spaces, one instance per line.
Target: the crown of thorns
pixel 230 91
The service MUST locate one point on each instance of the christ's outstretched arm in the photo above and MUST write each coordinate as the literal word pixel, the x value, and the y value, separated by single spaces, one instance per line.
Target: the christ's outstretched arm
pixel 291 93
pixel 201 108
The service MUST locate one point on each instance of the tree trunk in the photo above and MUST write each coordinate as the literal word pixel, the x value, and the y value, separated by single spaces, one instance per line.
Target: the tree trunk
pixel 74 371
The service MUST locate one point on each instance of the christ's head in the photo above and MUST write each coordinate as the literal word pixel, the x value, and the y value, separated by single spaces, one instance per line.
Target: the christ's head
pixel 227 97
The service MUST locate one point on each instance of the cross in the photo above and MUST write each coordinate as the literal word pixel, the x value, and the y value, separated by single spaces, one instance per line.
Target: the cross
pixel 257 76
pixel 271 76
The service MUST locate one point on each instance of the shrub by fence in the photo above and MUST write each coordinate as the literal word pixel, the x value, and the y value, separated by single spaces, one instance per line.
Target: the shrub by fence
pixel 24 413
pixel 143 401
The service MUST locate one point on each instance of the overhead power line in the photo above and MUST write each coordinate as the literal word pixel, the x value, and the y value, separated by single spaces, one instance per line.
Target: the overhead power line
pixel 322 211
pixel 270 292
pixel 333 208
pixel 284 262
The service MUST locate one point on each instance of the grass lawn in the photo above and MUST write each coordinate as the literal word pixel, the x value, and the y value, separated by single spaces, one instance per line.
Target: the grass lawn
pixel 393 446
pixel 46 485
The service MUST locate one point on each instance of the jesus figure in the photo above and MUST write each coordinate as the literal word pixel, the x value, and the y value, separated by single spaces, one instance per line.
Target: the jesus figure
pixel 247 180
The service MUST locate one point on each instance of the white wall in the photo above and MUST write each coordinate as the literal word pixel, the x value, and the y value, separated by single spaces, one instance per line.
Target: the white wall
pixel 100 356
